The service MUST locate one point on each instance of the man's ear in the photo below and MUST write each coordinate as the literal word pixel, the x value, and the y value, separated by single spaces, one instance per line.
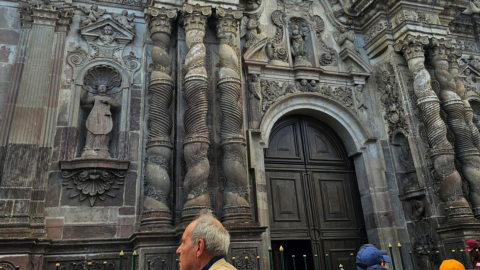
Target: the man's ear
pixel 200 247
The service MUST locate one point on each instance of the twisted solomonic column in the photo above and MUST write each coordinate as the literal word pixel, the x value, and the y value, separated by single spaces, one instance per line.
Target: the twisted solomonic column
pixel 159 145
pixel 236 208
pixel 453 57
pixel 454 107
pixel 196 141
pixel 428 104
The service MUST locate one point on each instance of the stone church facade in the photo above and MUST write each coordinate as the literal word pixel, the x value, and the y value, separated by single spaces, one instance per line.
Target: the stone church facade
pixel 313 125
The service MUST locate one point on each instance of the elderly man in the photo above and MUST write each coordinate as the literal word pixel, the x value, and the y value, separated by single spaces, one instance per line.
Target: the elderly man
pixel 204 244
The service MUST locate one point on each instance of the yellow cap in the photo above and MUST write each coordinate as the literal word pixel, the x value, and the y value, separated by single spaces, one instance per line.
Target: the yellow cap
pixel 258 257
pixel 233 258
pixel 89 263
pixel 281 249
pixel 57 264
pixel 304 255
pixel 121 253
pixel 105 262
pixel 451 265
pixel 340 265
pixel 134 253
pixel 246 258
pixel 399 244
pixel 389 245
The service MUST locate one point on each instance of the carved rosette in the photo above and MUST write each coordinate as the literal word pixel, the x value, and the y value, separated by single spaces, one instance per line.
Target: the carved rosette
pixel 236 206
pixel 159 144
pixel 428 103
pixel 196 142
pixel 453 105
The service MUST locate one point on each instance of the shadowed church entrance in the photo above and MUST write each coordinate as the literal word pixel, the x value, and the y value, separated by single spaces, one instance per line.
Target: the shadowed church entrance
pixel 312 194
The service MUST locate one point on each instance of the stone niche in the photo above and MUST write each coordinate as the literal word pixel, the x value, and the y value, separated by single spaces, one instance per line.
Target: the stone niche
pixel 103 75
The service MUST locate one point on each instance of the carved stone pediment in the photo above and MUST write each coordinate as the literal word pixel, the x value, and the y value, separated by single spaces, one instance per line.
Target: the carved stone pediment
pixel 472 68
pixel 96 30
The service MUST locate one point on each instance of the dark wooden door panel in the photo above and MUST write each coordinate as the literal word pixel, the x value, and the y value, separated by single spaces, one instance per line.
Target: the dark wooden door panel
pixel 339 252
pixel 287 206
pixel 334 202
pixel 321 145
pixel 285 145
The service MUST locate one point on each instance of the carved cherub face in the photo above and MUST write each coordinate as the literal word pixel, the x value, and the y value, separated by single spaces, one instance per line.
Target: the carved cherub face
pixel 467 72
pixel 313 83
pixel 124 12
pixel 107 30
pixel 303 82
pixel 95 7
pixel 102 89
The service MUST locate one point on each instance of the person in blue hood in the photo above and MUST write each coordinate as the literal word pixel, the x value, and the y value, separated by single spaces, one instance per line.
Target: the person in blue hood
pixel 369 258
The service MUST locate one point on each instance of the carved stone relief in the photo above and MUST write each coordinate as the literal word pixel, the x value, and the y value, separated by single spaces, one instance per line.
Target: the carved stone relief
pixel 125 20
pixel 275 48
pixel 96 265
pixel 391 99
pixel 273 90
pixel 240 254
pixel 346 39
pixel 375 30
pixel 327 55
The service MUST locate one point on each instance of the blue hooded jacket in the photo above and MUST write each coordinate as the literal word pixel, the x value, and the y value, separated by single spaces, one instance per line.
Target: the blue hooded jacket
pixel 376 267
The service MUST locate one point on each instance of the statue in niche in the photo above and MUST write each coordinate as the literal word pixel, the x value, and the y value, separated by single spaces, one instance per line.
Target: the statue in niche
pixel 92 15
pixel 250 28
pixel 107 36
pixel 298 47
pixel 125 19
pixel 346 39
pixel 99 122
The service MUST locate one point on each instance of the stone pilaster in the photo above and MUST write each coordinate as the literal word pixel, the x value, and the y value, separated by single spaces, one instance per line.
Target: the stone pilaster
pixel 28 129
pixel 196 142
pixel 236 209
pixel 457 207
pixel 159 145
pixel 453 105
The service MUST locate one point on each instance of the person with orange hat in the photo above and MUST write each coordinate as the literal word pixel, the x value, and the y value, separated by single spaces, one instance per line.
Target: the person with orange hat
pixel 452 265
pixel 472 247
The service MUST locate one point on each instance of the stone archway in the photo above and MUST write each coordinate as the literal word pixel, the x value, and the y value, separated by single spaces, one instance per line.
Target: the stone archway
pixel 361 146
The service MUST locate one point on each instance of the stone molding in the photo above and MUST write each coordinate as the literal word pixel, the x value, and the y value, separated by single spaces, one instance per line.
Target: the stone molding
pixel 59 16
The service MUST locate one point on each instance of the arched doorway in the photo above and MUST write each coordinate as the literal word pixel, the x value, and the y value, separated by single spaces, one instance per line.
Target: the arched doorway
pixel 312 194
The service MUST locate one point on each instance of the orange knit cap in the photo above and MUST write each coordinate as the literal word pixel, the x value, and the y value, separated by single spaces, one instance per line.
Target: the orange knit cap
pixel 451 265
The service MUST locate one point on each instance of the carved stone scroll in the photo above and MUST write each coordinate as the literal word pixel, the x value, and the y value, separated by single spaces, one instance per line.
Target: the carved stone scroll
pixel 429 106
pixel 236 206
pixel 196 141
pixel 159 144
pixel 453 105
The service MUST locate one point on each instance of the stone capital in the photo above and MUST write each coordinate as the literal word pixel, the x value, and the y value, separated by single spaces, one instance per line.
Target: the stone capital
pixel 228 20
pixel 412 46
pixel 57 16
pixel 440 49
pixel 195 16
pixel 160 19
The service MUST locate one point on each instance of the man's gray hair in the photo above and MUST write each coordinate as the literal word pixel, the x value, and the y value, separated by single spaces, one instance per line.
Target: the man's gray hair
pixel 216 238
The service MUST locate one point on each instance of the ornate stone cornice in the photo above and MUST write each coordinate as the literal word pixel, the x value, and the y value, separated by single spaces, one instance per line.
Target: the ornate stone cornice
pixel 195 16
pixel 58 16
pixel 228 20
pixel 412 46
pixel 160 19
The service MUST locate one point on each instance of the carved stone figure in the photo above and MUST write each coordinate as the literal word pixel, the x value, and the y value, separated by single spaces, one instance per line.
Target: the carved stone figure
pixel 466 152
pixel 236 206
pixel 125 19
pixel 298 47
pixel 473 7
pixel 255 112
pixel 196 142
pixel 159 145
pixel 346 39
pixel 99 122
pixel 360 96
pixel 107 36
pixel 250 28
pixel 456 205
pixel 92 15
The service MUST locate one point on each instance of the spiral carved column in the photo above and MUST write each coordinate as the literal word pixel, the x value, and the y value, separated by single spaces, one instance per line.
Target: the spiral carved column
pixel 159 144
pixel 236 208
pixel 428 103
pixel 453 56
pixel 196 141
pixel 453 105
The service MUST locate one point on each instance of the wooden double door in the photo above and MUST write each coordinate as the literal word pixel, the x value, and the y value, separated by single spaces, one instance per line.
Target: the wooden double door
pixel 313 196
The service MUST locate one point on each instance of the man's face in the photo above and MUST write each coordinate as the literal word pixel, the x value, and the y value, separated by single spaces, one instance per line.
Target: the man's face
pixel 187 251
